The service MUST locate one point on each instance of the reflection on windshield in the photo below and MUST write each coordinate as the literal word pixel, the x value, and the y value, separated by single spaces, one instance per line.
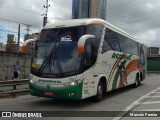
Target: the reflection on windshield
pixel 56 53
pixel 62 58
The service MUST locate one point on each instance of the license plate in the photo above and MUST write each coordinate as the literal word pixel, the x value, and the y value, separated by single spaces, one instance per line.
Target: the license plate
pixel 48 93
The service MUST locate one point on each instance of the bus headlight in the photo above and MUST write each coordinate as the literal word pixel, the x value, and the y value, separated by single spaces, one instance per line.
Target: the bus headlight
pixel 74 82
pixel 31 82
pixel 70 84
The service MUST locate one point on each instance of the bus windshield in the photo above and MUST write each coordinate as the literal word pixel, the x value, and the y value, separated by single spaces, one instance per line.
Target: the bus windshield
pixel 56 51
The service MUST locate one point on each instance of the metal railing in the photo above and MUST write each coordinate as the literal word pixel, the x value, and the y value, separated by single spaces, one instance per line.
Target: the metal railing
pixel 8 84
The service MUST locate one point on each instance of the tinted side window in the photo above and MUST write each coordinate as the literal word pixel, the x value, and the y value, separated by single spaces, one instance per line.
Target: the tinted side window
pixel 111 41
pixel 124 43
pixel 95 30
pixel 133 47
pixel 92 46
pixel 128 45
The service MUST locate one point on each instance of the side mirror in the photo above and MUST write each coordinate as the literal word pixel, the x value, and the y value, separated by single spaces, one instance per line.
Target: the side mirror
pixel 81 42
pixel 24 46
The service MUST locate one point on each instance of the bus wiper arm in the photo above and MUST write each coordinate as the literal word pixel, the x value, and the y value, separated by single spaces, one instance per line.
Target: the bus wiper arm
pixel 45 62
pixel 59 65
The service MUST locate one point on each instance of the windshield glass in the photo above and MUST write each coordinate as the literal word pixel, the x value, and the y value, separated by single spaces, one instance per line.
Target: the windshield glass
pixel 56 51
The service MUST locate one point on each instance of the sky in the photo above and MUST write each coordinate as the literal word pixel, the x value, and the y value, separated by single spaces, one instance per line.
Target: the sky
pixel 139 18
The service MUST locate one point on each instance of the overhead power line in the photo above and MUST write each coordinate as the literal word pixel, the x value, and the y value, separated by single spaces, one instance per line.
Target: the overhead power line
pixel 37 2
pixel 131 4
pixel 128 10
pixel 132 18
pixel 19 9
pixel 8 31
pixel 23 2
pixel 19 22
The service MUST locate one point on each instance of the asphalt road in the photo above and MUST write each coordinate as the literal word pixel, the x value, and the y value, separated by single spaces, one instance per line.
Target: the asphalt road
pixel 145 97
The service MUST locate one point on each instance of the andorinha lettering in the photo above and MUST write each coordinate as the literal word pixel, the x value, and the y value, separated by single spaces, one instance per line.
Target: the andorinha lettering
pixel 121 56
pixel 49 81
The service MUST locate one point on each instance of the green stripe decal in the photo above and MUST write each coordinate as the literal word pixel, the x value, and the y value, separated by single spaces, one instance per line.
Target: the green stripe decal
pixel 119 73
pixel 72 92
pixel 109 78
pixel 118 66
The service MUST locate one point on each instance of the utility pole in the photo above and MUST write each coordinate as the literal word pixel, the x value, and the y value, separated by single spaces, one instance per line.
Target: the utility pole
pixel 19 26
pixel 27 32
pixel 45 14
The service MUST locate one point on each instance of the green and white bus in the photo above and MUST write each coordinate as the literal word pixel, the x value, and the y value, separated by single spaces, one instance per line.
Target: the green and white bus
pixel 81 58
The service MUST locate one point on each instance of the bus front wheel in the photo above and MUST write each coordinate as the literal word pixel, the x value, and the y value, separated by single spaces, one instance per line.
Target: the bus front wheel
pixel 100 90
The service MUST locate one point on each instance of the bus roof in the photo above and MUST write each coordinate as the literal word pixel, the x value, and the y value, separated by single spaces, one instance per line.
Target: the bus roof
pixel 87 21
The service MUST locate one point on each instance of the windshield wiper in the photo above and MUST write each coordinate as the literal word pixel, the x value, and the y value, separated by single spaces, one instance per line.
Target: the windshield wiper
pixel 51 58
pixel 45 62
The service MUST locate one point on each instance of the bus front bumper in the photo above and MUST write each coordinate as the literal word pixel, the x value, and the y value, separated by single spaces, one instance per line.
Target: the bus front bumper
pixel 71 92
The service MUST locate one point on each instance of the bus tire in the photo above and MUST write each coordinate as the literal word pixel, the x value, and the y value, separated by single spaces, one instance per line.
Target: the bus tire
pixel 140 80
pixel 100 91
pixel 135 85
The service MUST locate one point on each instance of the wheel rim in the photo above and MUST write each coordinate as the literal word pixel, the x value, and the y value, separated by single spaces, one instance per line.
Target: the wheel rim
pixel 100 91
pixel 136 82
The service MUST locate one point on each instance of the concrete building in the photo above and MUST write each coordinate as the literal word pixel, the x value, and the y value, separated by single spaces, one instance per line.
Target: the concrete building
pixel 153 51
pixel 103 9
pixel 2 47
pixel 11 45
pixel 84 8
pixel 153 60
pixel 89 9
pixel 10 38
pixel 75 9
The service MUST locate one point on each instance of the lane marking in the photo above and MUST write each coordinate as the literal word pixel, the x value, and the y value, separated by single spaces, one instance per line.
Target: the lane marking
pixel 134 104
pixel 138 100
pixel 156 92
pixel 150 102
pixel 150 110
pixel 153 97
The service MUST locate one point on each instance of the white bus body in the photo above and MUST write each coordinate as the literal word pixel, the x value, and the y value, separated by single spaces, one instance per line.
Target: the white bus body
pixel 81 58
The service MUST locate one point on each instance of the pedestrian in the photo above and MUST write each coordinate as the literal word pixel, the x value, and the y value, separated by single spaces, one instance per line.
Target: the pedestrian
pixel 17 69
